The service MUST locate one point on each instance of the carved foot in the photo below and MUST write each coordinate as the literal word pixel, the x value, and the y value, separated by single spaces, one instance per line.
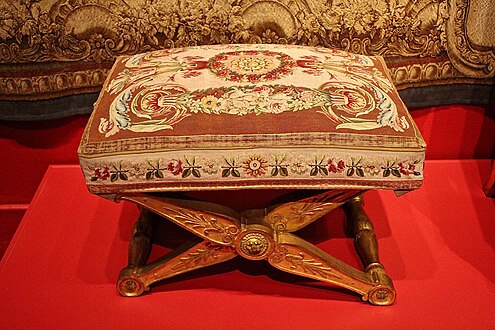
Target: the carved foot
pixel 193 255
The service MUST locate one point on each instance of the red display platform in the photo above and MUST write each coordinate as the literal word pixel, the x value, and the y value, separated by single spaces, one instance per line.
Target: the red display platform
pixel 437 244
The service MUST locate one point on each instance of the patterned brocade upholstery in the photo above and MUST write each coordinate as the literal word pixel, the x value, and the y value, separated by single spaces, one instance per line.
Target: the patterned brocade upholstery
pixel 250 116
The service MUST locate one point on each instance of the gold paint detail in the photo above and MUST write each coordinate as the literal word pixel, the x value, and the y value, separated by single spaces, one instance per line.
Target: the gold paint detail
pixel 293 216
pixel 311 266
pixel 209 225
pixel 254 245
pixel 253 237
pixel 199 256
pixel 214 227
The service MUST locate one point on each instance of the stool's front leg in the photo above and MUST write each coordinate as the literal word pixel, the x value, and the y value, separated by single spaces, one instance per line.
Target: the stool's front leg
pixel 216 226
pixel 192 255
pixel 297 256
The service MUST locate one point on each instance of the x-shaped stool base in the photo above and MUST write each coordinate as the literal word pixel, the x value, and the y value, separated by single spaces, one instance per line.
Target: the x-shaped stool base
pixel 256 235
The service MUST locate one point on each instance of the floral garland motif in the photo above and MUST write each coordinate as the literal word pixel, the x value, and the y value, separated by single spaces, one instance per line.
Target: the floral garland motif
pixel 164 106
pixel 254 166
pixel 252 99
pixel 251 66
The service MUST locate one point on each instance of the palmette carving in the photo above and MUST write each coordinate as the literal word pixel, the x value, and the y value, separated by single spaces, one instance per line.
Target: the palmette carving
pixel 310 265
pixel 213 227
pixel 293 216
pixel 192 255
pixel 210 226
pixel 296 256
pixel 200 256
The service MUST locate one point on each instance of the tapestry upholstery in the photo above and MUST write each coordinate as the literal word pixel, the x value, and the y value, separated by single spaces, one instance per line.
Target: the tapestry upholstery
pixel 61 49
pixel 223 117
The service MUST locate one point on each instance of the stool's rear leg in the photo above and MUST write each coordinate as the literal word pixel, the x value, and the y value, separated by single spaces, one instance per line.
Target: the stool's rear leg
pixel 140 244
pixel 366 244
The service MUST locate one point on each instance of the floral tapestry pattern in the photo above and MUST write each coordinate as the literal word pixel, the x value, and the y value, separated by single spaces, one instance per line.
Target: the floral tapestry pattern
pixel 157 90
pixel 256 166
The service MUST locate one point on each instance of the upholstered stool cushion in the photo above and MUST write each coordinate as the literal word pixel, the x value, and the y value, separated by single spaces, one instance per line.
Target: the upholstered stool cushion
pixel 250 116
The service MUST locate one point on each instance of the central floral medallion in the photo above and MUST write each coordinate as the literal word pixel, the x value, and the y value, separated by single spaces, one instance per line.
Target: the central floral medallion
pixel 251 66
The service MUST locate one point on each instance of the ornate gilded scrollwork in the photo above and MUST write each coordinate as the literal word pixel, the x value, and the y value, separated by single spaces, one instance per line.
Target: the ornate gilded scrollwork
pixel 252 234
pixel 293 216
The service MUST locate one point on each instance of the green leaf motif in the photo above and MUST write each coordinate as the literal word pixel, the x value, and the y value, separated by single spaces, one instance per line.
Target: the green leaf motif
pixel 323 170
pixel 149 175
pixel 186 173
pixel 396 173
pixel 158 174
pixel 283 171
pixel 226 173
pixel 94 178
pixel 313 171
pixel 350 171
pixel 123 176
pixel 359 172
pixel 236 173
pixel 386 172
pixel 196 173
pixel 114 177
pixel 274 171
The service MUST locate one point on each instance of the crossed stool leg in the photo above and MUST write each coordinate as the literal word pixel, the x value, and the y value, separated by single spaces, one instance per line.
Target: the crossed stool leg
pixel 256 234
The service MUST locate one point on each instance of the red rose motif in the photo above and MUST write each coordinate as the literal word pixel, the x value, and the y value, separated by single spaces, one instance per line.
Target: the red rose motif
pixel 221 57
pixel 216 65
pixel 217 92
pixel 251 65
pixel 262 89
pixel 223 73
pixel 253 78
pixel 336 167
pixel 102 174
pixel 271 76
pixel 175 166
pixel 283 71
pixel 406 169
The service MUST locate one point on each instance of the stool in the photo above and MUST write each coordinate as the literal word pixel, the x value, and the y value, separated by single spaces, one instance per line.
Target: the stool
pixel 231 117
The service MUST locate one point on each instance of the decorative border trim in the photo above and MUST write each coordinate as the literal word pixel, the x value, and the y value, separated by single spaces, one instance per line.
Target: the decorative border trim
pixel 309 168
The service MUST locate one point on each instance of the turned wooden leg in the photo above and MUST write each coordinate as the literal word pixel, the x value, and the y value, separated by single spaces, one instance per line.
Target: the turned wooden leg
pixel 140 244
pixel 366 245
pixel 139 251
